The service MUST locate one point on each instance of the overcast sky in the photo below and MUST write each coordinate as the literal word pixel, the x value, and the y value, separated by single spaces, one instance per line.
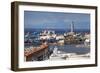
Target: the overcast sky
pixel 56 20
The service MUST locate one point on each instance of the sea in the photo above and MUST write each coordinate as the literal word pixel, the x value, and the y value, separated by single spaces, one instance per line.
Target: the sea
pixel 57 31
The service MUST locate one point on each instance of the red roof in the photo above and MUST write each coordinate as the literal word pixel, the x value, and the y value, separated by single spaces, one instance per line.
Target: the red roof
pixel 30 51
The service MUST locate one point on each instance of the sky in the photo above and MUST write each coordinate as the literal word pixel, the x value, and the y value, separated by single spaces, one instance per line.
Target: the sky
pixel 55 20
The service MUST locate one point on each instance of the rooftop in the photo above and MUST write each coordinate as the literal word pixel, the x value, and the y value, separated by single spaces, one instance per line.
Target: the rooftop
pixel 33 50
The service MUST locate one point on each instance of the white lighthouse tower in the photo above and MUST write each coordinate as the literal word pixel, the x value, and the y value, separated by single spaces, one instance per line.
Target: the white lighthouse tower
pixel 72 27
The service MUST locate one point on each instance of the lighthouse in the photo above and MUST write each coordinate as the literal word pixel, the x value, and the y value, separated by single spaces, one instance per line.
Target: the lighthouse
pixel 72 27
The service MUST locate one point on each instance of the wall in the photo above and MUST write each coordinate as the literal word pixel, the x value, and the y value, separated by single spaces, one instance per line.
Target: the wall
pixel 5 40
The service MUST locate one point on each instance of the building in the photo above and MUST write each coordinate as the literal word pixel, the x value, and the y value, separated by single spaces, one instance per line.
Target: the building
pixel 36 53
pixel 71 29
